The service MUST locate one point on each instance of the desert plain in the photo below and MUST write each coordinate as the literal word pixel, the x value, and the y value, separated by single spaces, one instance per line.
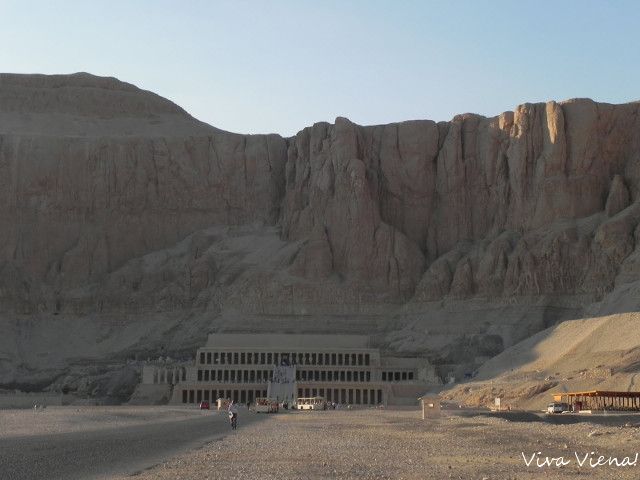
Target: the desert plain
pixel 366 443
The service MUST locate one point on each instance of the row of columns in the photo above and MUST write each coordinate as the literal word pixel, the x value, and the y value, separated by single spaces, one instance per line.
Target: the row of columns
pixel 259 376
pixel 235 376
pixel 333 375
pixel 241 395
pixel 353 396
pixel 169 376
pixel 291 358
pixel 606 402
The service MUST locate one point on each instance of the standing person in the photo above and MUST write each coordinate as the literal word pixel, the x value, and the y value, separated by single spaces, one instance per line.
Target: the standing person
pixel 233 414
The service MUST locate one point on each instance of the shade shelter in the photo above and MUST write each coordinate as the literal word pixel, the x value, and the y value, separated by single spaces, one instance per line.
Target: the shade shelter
pixel 600 400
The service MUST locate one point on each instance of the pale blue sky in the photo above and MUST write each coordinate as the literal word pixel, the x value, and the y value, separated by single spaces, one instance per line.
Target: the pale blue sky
pixel 278 66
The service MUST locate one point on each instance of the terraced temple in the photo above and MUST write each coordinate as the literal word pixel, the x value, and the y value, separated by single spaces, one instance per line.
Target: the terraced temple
pixel 342 368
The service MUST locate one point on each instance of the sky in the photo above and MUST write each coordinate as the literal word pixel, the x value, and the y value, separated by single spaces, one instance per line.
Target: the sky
pixel 278 66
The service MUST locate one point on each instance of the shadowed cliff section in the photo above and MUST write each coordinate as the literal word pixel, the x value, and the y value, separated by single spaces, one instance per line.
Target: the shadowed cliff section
pixel 130 224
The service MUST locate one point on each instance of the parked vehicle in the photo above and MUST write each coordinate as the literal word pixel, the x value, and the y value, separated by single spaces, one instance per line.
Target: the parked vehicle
pixel 311 403
pixel 556 407
pixel 266 405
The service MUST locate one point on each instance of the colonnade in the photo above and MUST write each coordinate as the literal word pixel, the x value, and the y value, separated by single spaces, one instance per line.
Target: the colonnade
pixel 242 395
pixel 168 375
pixel 234 376
pixel 289 358
pixel 352 396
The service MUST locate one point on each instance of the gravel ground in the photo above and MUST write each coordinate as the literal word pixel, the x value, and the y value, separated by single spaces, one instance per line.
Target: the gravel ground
pixel 51 420
pixel 396 444
pixel 104 453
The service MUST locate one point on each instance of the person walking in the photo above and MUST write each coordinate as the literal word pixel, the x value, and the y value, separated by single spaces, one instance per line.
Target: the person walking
pixel 233 415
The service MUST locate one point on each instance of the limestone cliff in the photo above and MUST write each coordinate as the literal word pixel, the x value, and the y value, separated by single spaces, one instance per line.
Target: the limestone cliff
pixel 128 228
pixel 520 204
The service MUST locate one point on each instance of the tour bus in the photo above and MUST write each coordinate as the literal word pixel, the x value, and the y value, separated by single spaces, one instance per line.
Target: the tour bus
pixel 266 405
pixel 311 403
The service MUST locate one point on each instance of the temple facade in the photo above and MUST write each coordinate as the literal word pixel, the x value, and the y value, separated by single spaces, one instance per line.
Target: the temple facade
pixel 342 368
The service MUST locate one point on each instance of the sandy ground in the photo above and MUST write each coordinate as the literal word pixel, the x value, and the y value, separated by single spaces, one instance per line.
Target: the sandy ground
pixel 51 420
pixel 379 444
pixel 365 444
pixel 101 442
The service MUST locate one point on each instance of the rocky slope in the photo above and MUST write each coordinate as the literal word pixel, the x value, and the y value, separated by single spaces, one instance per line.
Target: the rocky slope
pixel 576 355
pixel 130 229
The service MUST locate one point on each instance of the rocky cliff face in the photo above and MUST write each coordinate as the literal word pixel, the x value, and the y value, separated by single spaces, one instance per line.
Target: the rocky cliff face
pixel 524 203
pixel 135 229
pixel 124 173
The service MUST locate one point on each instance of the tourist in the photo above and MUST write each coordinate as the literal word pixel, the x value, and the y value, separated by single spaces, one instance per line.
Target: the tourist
pixel 233 414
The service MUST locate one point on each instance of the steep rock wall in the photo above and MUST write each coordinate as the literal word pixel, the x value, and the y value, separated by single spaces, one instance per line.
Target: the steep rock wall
pixel 515 204
pixel 114 181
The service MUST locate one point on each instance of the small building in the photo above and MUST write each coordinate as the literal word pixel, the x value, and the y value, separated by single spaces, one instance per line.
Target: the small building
pixel 341 368
pixel 600 400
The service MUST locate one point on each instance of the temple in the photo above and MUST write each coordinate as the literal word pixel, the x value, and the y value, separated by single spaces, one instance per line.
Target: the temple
pixel 342 368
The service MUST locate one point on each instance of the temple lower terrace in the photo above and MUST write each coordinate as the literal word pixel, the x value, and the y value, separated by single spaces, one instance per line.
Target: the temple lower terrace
pixel 599 400
pixel 344 369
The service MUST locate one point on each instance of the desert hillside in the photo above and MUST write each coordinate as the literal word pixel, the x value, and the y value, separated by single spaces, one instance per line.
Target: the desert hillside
pixel 600 353
pixel 129 230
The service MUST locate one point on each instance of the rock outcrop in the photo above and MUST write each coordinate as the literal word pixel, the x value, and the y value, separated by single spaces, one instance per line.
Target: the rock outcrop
pixel 139 229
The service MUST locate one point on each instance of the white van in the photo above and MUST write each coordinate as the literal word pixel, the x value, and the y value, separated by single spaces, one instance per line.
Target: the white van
pixel 557 407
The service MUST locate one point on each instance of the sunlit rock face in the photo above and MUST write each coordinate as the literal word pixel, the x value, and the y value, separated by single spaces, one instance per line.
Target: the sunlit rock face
pixel 130 229
pixel 513 204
